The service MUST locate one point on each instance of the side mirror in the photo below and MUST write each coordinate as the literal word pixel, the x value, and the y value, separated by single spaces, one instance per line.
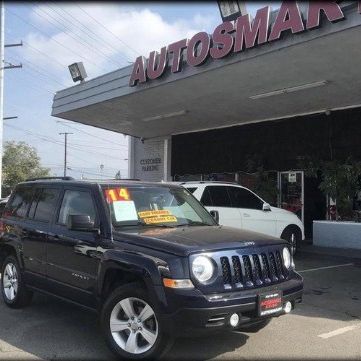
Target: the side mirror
pixel 80 222
pixel 266 207
pixel 215 215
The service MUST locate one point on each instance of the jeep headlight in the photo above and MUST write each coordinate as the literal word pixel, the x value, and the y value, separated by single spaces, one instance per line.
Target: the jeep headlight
pixel 287 258
pixel 202 268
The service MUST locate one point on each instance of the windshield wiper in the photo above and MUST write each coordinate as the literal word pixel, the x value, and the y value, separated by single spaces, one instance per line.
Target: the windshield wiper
pixel 192 223
pixel 140 223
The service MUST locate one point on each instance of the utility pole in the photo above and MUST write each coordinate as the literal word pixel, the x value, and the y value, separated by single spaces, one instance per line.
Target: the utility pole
pixel 65 148
pixel 2 68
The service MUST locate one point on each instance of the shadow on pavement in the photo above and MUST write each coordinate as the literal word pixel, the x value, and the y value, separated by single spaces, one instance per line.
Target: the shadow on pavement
pixel 52 329
pixel 205 348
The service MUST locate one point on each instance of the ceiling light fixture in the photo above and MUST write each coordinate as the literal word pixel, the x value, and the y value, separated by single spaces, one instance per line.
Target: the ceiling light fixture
pixel 165 116
pixel 290 90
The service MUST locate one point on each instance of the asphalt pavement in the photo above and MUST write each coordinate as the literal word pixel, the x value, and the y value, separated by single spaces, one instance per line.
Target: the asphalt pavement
pixel 326 325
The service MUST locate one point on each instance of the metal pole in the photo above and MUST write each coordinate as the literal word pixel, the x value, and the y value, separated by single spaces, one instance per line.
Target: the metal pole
pixel 2 38
pixel 65 149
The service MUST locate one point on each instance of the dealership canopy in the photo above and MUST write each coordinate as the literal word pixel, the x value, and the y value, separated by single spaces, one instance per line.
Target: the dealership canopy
pixel 297 60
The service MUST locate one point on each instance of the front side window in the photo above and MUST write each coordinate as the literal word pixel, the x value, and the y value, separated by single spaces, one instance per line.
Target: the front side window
pixel 19 205
pixel 217 196
pixel 76 203
pixel 154 206
pixel 243 198
pixel 46 204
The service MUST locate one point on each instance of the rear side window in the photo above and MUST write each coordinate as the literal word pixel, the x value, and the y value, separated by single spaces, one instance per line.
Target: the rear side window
pixel 76 203
pixel 46 204
pixel 19 205
pixel 216 196
pixel 243 198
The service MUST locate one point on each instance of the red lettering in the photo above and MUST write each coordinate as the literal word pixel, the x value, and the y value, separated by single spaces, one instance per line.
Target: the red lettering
pixel 177 48
pixel 138 73
pixel 195 56
pixel 248 34
pixel 222 40
pixel 288 18
pixel 155 71
pixel 331 9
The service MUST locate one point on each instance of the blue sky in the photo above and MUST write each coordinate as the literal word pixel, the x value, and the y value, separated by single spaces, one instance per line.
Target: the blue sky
pixel 103 36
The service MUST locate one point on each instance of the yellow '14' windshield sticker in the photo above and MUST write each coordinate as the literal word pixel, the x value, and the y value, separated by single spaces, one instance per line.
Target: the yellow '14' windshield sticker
pixel 145 214
pixel 160 219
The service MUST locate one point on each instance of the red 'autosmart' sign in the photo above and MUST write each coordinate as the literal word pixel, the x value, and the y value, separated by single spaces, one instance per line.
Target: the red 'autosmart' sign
pixel 234 37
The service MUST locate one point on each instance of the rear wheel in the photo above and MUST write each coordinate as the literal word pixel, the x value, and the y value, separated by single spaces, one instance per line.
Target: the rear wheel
pixel 13 288
pixel 293 236
pixel 131 324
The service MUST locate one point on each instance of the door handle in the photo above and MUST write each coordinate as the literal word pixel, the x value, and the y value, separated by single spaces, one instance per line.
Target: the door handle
pixel 246 215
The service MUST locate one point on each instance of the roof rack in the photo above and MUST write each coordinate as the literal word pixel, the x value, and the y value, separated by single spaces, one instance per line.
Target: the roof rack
pixel 49 178
pixel 111 179
pixel 203 182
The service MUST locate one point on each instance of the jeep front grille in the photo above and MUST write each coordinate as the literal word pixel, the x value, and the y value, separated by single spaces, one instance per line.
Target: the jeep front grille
pixel 254 270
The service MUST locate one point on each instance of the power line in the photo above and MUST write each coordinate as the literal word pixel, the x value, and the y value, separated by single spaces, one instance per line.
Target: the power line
pixel 109 31
pixel 42 72
pixel 33 48
pixel 91 135
pixel 96 146
pixel 54 141
pixel 37 88
pixel 76 23
pixel 52 39
pixel 63 66
pixel 72 34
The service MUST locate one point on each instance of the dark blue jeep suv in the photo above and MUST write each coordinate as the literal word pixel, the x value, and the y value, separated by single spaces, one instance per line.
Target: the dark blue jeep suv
pixel 147 257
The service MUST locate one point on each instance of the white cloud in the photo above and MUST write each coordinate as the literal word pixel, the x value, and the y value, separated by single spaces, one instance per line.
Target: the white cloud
pixel 142 30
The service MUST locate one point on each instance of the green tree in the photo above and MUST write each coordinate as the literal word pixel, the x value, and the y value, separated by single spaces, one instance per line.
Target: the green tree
pixel 340 180
pixel 20 162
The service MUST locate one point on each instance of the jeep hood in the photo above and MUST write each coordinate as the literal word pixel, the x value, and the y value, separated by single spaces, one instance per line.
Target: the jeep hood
pixel 186 240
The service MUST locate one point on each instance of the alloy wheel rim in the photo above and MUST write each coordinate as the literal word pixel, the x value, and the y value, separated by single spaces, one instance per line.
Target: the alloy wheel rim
pixel 133 325
pixel 10 281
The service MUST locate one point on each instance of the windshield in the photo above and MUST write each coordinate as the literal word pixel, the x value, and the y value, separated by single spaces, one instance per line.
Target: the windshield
pixel 155 207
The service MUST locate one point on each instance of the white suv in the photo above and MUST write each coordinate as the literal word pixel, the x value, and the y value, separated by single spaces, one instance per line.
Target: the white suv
pixel 239 207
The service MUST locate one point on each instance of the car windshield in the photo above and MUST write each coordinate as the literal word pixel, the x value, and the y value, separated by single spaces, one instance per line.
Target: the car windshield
pixel 157 206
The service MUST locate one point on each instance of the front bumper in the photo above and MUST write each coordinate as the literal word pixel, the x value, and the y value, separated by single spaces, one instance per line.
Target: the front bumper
pixel 214 313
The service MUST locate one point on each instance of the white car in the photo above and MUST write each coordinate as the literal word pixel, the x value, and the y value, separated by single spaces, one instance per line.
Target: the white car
pixel 239 207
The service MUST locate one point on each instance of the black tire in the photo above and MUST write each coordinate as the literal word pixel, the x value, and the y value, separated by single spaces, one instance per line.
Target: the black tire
pixel 255 327
pixel 22 296
pixel 134 290
pixel 293 236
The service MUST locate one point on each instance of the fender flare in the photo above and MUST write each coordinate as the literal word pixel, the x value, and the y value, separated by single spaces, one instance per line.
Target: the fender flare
pixel 141 265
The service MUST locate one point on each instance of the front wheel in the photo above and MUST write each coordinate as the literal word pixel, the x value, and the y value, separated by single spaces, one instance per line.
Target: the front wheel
pixel 293 236
pixel 131 324
pixel 13 289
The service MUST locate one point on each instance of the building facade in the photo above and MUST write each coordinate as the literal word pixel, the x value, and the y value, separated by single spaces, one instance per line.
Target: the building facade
pixel 257 97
